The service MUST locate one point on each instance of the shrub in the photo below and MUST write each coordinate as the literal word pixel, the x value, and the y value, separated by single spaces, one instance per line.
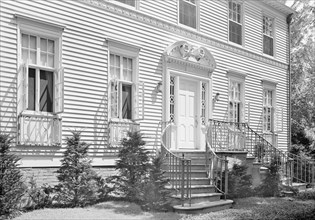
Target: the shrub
pixel 271 185
pixel 306 195
pixel 11 184
pixel 133 164
pixel 259 151
pixel 78 182
pixel 155 195
pixel 39 197
pixel 239 182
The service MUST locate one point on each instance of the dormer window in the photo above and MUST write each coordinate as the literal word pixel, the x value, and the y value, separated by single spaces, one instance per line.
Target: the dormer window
pixel 188 13
pixel 268 35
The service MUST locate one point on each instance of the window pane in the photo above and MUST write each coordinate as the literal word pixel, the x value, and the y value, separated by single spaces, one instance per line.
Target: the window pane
pixel 31 89
pixel 46 91
pixel 268 45
pixel 33 42
pixel 24 55
pixel 126 101
pixel 32 58
pixel 51 46
pixel 50 62
pixel 187 13
pixel 25 40
pixel 43 59
pixel 43 44
pixel 235 32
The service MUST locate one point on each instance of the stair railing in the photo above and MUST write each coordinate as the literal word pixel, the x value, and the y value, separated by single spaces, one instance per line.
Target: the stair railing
pixel 179 168
pixel 216 167
pixel 231 136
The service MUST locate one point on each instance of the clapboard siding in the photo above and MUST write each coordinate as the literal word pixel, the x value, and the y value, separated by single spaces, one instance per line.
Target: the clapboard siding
pixel 85 62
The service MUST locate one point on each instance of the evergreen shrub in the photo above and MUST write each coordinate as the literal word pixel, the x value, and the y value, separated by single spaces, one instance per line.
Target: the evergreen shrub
pixel 78 183
pixel 12 187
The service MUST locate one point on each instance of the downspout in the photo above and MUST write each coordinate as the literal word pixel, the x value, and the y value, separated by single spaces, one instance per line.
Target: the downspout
pixel 289 19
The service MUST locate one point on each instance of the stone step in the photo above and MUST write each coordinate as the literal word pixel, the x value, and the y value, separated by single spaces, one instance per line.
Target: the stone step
pixel 203 207
pixel 199 189
pixel 194 174
pixel 200 197
pixel 196 181
pixel 194 166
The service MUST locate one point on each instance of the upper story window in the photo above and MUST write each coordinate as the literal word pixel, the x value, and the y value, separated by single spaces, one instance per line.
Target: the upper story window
pixel 188 13
pixel 128 2
pixel 126 96
pixel 235 22
pixel 268 35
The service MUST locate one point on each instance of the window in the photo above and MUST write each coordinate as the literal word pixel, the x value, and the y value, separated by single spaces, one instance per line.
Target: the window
pixel 39 55
pixel 128 2
pixel 125 93
pixel 188 13
pixel 268 35
pixel 235 22
pixel 268 110
pixel 235 102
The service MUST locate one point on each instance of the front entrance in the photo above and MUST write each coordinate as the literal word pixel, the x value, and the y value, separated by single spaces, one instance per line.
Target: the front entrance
pixel 187 114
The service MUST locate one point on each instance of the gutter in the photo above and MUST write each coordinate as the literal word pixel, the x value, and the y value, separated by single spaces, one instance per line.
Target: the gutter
pixel 289 19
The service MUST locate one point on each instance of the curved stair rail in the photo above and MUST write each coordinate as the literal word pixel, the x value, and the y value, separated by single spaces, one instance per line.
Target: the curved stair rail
pixel 293 168
pixel 179 168
pixel 216 167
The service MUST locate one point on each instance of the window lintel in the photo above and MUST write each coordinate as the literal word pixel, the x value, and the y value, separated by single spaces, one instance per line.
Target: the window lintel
pixel 123 47
pixel 269 84
pixel 236 74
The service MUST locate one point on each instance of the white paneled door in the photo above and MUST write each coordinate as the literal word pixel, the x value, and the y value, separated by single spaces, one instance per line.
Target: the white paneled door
pixel 187 114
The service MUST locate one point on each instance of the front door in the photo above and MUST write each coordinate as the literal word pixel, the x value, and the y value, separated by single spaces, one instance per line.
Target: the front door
pixel 187 114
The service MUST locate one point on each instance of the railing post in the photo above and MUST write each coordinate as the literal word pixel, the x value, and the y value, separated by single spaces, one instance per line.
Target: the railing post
pixel 291 164
pixel 226 177
pixel 183 180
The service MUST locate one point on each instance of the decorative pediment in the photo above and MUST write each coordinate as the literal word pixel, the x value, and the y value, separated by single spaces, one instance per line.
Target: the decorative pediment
pixel 187 54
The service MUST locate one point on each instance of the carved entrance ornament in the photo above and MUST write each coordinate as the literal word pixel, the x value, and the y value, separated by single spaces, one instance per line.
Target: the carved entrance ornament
pixel 188 54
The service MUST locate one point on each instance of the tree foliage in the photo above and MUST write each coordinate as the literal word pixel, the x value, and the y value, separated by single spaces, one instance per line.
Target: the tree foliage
pixel 303 74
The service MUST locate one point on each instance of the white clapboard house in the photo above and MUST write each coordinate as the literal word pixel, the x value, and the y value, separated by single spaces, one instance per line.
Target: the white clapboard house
pixel 201 79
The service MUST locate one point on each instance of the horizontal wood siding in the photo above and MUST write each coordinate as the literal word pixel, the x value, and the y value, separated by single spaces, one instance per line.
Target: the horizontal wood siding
pixel 85 62
pixel 165 10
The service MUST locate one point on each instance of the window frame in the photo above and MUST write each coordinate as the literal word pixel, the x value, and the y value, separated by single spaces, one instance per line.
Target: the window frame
pixel 41 29
pixel 242 23
pixel 197 4
pixel 131 51
pixel 271 17
pixel 137 3
pixel 271 86
pixel 235 76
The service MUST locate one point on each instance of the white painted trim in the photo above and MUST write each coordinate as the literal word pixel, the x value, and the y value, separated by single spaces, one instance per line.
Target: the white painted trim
pixel 197 17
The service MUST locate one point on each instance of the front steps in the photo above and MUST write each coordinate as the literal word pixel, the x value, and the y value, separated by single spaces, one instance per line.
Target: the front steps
pixel 204 197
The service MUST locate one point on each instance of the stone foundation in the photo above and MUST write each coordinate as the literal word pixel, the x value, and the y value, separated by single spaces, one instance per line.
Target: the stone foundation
pixel 48 175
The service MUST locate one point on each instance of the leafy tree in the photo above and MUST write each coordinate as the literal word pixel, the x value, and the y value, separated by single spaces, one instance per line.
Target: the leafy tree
pixel 303 75
pixel 11 183
pixel 78 185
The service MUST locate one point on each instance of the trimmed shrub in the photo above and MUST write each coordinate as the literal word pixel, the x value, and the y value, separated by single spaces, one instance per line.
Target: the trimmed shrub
pixel 78 182
pixel 240 183
pixel 306 195
pixel 271 185
pixel 154 192
pixel 12 188
pixel 133 166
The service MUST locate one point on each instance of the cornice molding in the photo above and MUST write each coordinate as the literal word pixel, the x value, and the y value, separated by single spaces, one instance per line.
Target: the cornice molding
pixel 174 28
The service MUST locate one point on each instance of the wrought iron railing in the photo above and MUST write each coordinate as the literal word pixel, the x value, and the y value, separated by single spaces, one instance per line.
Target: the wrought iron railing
pixel 216 167
pixel 44 130
pixel 293 168
pixel 178 168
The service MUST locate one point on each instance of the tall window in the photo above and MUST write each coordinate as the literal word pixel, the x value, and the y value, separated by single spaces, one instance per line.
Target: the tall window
pixel 188 13
pixel 235 22
pixel 268 35
pixel 268 110
pixel 128 2
pixel 41 75
pixel 235 103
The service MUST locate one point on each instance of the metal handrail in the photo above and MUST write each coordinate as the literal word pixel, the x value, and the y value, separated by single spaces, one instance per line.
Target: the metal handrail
pixel 293 168
pixel 179 168
pixel 216 167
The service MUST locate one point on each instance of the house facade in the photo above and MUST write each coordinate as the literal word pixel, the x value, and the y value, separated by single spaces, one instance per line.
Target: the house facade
pixel 105 67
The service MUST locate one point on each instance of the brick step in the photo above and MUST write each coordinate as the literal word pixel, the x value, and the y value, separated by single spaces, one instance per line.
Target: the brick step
pixel 203 207
pixel 199 197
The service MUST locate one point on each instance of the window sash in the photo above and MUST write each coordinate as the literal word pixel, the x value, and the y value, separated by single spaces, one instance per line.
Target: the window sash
pixel 188 13
pixel 268 111
pixel 128 2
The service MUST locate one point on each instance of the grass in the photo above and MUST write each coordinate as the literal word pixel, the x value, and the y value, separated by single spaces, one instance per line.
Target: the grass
pixel 253 208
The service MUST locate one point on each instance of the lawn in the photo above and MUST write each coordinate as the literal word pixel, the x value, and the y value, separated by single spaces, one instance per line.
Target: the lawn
pixel 243 209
